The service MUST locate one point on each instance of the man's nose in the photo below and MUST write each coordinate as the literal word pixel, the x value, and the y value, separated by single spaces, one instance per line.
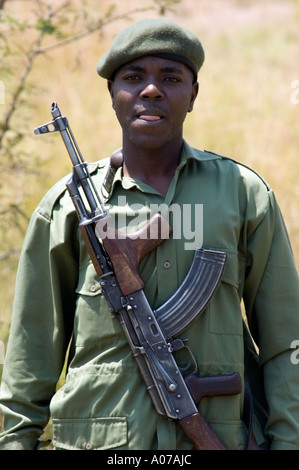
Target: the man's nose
pixel 152 91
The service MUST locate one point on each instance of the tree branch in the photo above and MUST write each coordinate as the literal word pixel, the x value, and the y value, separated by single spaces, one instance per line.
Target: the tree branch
pixel 98 27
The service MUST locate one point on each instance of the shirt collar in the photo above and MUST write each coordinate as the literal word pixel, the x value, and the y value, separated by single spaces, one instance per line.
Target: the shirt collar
pixel 188 153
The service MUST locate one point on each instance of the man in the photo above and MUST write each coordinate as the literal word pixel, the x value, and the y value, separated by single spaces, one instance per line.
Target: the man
pixel 151 69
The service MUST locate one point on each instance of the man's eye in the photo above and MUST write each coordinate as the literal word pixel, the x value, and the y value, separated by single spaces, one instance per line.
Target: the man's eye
pixel 172 79
pixel 132 77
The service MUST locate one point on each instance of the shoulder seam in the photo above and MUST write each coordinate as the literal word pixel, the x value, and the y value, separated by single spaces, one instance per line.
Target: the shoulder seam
pixel 243 165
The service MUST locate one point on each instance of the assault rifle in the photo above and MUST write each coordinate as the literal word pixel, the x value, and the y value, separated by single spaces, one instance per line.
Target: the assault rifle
pixel 152 335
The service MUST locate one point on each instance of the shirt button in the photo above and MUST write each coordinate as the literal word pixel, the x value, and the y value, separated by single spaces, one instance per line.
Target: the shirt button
pixel 166 265
pixel 88 445
pixel 93 287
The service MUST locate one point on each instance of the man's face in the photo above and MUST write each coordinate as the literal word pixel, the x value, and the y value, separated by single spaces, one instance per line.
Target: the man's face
pixel 151 97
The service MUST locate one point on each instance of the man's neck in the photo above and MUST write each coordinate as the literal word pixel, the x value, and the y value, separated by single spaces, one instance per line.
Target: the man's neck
pixel 153 167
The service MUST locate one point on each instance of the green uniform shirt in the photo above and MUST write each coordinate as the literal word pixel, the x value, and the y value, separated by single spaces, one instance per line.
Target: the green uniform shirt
pixel 104 403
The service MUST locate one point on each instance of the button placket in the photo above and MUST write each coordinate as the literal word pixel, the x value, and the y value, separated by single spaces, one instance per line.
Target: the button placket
pixel 166 269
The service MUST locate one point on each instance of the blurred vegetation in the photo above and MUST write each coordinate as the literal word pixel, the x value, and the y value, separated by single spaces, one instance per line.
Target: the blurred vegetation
pixel 45 49
pixel 46 46
pixel 247 107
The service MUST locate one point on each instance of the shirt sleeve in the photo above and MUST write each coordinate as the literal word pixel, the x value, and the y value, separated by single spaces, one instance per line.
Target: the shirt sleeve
pixel 271 297
pixel 41 326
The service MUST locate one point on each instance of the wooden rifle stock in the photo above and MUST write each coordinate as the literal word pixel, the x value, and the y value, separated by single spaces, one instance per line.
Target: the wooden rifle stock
pixel 200 433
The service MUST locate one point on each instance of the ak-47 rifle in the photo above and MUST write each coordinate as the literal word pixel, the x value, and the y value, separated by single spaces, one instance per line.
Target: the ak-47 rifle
pixel 150 334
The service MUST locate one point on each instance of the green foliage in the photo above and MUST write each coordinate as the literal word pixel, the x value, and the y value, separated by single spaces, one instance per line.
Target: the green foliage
pixel 45 26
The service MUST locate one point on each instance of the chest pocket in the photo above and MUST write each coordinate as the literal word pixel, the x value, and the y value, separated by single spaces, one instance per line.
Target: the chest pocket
pixel 93 320
pixel 225 309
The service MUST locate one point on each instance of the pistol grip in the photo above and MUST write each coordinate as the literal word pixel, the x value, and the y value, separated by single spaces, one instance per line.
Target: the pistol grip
pixel 200 387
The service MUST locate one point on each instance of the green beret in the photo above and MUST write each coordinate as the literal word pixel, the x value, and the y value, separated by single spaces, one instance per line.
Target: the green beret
pixel 156 37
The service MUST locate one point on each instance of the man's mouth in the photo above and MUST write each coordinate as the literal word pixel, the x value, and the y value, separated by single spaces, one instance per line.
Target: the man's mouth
pixel 146 117
pixel 149 115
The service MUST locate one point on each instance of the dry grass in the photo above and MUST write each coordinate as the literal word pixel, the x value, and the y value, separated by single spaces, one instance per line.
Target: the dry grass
pixel 244 108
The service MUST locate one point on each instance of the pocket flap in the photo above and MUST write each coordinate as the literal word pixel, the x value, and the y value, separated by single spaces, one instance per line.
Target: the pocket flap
pixel 89 433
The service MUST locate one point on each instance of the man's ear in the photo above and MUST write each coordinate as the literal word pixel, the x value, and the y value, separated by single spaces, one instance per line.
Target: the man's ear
pixel 195 88
pixel 110 88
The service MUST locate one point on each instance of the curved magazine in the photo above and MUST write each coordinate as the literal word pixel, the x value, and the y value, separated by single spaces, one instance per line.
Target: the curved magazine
pixel 194 294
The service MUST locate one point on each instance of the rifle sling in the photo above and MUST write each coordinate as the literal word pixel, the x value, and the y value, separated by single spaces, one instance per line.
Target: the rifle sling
pixel 248 412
